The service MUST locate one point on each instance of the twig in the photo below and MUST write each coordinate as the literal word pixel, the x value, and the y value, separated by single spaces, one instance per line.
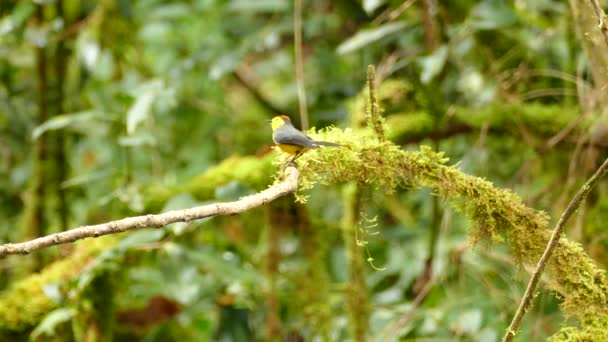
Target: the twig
pixel 299 59
pixel 289 185
pixel 528 297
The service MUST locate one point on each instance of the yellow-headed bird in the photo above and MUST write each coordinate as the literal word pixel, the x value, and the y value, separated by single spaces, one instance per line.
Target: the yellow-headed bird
pixel 292 141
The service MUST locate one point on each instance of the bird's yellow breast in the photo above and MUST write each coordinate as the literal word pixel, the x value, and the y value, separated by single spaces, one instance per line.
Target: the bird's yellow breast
pixel 292 149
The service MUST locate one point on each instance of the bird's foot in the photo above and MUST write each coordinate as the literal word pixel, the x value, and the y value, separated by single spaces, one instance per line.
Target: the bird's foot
pixel 290 163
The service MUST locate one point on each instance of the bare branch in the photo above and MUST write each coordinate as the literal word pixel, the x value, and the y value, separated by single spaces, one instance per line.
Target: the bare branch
pixel 528 297
pixel 289 185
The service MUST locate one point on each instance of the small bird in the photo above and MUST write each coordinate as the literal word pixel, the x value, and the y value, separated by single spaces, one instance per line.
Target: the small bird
pixel 292 141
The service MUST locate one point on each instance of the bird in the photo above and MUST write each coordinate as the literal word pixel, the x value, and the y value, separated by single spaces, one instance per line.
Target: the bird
pixel 292 141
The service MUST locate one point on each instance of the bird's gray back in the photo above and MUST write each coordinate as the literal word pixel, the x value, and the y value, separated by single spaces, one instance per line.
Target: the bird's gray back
pixel 288 135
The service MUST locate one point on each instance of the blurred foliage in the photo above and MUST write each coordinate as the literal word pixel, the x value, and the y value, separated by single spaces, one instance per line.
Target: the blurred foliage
pixel 154 105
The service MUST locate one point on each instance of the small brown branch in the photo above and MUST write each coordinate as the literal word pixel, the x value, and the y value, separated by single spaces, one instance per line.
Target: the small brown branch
pixel 289 185
pixel 528 297
pixel 299 61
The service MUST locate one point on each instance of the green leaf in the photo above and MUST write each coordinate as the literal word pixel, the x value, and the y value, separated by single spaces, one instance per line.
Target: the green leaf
pixel 369 6
pixel 139 111
pixel 258 6
pixel 224 267
pixel 137 140
pixel 368 36
pixel 232 191
pixel 181 201
pixel 170 11
pixel 51 321
pixel 87 178
pixel 225 64
pixel 491 15
pixel 53 292
pixel 63 121
pixel 469 321
pixel 17 18
pixel 143 104
pixel 433 64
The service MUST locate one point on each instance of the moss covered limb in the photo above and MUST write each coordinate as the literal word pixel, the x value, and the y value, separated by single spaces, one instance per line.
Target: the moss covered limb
pixel 498 214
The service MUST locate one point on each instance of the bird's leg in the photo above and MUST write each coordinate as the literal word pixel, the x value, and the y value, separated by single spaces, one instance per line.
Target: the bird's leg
pixel 292 160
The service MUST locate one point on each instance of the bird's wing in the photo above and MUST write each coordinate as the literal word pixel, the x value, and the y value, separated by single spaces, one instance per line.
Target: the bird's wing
pixel 288 135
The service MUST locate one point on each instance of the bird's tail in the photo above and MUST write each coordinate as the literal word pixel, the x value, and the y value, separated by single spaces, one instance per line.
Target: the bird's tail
pixel 325 143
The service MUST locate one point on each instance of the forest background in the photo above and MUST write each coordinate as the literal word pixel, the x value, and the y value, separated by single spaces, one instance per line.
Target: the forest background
pixel 117 108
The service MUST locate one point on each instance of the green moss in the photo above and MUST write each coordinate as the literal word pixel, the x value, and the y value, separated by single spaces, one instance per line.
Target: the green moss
pixel 413 123
pixel 251 171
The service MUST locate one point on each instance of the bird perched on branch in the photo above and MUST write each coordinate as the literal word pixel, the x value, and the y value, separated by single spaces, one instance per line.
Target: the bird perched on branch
pixel 292 141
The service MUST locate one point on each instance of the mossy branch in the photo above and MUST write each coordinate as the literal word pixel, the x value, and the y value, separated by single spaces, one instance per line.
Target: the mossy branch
pixel 528 297
pixel 498 214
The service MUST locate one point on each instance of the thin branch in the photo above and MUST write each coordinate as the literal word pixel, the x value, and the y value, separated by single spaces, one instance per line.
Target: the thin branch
pixel 528 297
pixel 299 59
pixel 289 185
